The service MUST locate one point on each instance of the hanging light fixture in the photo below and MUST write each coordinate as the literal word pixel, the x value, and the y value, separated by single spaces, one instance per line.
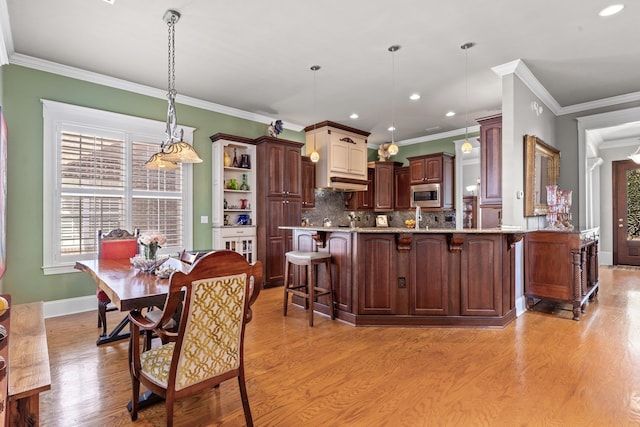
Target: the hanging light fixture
pixel 466 145
pixel 173 149
pixel 314 156
pixel 385 151
pixel 393 147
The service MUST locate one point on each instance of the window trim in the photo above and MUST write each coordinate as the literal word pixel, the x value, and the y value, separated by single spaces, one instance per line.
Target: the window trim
pixel 54 115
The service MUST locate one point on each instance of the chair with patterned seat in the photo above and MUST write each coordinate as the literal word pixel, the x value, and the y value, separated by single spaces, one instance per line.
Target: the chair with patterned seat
pixel 208 348
pixel 116 244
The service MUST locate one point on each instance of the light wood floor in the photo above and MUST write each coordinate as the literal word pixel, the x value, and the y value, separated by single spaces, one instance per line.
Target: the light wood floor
pixel 542 370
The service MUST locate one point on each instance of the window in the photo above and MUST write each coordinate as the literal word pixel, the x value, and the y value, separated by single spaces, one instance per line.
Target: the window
pixel 94 179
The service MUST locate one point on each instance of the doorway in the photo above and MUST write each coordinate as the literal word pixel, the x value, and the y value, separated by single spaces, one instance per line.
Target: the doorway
pixel 626 212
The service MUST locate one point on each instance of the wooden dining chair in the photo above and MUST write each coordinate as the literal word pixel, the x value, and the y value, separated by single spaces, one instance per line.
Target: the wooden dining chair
pixel 154 315
pixel 116 244
pixel 188 257
pixel 208 347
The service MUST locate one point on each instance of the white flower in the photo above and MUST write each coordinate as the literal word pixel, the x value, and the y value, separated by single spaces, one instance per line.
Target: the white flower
pixel 152 237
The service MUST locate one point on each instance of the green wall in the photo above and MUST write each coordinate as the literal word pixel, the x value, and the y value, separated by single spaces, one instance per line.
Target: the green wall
pixel 23 88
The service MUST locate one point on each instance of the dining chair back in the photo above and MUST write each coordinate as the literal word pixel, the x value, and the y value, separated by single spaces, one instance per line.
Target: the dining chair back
pixel 188 257
pixel 208 348
pixel 116 244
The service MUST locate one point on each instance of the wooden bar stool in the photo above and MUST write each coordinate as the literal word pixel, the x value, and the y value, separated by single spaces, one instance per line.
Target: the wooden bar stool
pixel 309 291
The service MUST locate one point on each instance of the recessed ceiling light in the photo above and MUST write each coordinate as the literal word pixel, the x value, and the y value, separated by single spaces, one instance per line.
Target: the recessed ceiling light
pixel 391 128
pixel 354 116
pixel 109 1
pixel 450 114
pixel 611 10
pixel 414 96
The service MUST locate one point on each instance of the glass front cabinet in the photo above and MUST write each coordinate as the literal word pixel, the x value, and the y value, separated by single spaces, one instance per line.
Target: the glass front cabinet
pixel 234 197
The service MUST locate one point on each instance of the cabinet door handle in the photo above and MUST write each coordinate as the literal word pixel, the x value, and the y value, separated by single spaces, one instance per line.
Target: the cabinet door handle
pixel 347 139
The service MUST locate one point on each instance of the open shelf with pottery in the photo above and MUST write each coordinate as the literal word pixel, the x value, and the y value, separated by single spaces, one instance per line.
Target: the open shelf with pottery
pixel 233 197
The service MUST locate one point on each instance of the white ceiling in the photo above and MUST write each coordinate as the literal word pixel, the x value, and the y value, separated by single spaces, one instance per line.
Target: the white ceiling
pixel 254 55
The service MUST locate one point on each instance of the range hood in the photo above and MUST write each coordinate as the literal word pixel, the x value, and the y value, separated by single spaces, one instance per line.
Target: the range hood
pixel 343 156
pixel 348 184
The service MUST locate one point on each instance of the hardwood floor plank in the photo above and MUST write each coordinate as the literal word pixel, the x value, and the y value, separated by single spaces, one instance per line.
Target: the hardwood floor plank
pixel 542 369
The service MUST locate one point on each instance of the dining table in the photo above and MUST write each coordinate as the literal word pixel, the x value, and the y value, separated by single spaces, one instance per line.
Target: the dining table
pixel 129 288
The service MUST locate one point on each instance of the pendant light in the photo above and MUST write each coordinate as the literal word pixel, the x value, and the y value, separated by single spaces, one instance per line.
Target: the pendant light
pixel 466 147
pixel 173 149
pixel 393 147
pixel 314 156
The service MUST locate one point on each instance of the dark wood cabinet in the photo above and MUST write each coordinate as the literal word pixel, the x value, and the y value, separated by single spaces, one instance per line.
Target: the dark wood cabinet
pixel 434 168
pixel 380 194
pixel 491 216
pixel 279 202
pixel 481 281
pixel 377 280
pixel 402 190
pixel 429 278
pixel 561 266
pixel 362 200
pixel 384 185
pixel 490 203
pixel 428 168
pixel 308 183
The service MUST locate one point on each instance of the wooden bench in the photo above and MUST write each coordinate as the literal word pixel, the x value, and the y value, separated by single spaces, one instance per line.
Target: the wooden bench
pixel 29 372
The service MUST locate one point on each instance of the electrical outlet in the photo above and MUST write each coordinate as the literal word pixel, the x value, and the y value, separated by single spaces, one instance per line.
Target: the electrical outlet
pixel 402 282
pixel 204 219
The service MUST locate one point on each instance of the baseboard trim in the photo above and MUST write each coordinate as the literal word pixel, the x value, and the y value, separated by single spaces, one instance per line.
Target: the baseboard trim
pixel 521 306
pixel 605 258
pixel 70 306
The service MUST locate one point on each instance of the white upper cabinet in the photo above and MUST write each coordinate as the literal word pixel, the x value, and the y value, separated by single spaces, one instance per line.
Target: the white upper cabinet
pixel 343 155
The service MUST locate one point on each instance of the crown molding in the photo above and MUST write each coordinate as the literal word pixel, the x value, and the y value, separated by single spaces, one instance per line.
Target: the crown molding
pixel 101 79
pixel 600 103
pixel 520 69
pixel 6 41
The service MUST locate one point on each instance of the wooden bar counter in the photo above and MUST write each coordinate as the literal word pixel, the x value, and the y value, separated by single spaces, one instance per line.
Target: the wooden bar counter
pixel 408 277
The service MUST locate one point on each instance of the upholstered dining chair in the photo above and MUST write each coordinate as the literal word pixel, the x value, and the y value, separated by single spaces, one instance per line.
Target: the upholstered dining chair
pixel 208 347
pixel 154 315
pixel 116 244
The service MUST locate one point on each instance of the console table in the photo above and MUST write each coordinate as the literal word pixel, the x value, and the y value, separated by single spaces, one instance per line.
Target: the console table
pixel 562 266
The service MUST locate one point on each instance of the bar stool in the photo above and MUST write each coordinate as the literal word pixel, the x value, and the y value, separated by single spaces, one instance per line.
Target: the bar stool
pixel 309 291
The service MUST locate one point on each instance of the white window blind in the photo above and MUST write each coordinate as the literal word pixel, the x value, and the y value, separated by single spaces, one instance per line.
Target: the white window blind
pixel 97 181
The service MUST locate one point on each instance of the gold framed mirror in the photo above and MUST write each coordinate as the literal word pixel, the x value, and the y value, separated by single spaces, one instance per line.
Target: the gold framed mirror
pixel 541 168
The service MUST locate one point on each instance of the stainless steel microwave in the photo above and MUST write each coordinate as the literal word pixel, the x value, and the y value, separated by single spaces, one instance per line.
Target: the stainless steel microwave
pixel 425 195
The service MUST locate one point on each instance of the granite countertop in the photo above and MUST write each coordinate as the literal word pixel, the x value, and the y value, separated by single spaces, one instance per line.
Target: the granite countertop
pixel 506 230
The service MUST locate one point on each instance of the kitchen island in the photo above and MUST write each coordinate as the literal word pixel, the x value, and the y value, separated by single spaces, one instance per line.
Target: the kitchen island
pixel 387 276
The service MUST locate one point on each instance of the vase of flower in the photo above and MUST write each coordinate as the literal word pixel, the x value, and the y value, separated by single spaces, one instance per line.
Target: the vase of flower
pixel 150 251
pixel 151 243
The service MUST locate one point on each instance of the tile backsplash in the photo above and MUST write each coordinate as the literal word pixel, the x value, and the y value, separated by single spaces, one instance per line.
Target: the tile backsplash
pixel 331 204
